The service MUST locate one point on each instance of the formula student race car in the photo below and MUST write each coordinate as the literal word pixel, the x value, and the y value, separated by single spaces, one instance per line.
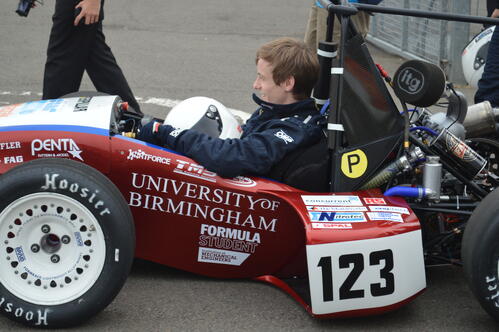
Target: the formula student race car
pixel 80 198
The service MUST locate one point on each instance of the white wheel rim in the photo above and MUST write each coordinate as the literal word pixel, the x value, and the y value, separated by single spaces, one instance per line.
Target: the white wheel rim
pixel 48 220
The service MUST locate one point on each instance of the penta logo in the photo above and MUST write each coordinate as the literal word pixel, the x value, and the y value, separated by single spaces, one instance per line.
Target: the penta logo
pixel 411 80
pixel 61 147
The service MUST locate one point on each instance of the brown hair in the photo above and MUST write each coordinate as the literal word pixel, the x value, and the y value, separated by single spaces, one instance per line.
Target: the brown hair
pixel 291 57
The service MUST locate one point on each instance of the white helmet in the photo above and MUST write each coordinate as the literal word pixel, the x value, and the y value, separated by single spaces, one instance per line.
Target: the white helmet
pixel 205 115
pixel 474 56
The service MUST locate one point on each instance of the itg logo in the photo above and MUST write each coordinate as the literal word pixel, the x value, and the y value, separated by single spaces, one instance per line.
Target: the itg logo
pixel 411 80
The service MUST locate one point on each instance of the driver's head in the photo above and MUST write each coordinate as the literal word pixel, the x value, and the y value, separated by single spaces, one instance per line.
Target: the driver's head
pixel 287 71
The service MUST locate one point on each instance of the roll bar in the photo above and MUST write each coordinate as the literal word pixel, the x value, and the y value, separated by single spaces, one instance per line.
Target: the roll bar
pixel 352 8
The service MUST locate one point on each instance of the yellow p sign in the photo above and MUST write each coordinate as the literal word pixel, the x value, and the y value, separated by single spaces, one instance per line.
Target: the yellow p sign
pixel 354 163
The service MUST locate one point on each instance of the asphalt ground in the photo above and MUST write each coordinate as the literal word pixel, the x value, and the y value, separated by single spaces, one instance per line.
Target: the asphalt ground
pixel 172 50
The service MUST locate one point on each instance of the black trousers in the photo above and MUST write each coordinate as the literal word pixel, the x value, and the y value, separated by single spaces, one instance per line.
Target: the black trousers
pixel 72 50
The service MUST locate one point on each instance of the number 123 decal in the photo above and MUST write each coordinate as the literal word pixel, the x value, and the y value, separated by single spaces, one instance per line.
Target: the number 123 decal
pixel 363 274
pixel 382 258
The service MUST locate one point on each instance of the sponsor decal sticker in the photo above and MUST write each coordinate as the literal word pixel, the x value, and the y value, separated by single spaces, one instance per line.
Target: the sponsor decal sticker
pixel 82 104
pixel 194 170
pixel 61 147
pixel 241 181
pixel 7 110
pixel 202 203
pixel 374 200
pixel 217 256
pixel 337 208
pixel 141 155
pixel 10 145
pixel 396 217
pixel 13 159
pixel 228 238
pixel 330 225
pixel 332 200
pixel 396 209
pixel 337 216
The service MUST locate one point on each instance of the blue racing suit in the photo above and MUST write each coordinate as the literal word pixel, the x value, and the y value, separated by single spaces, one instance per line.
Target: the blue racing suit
pixel 270 133
pixel 488 85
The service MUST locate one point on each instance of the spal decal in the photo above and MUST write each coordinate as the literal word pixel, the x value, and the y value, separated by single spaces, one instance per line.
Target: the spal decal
pixel 354 163
pixel 52 182
pixel 40 317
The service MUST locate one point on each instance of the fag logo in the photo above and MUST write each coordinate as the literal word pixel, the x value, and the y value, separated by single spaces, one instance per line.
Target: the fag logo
pixel 61 147
pixel 354 163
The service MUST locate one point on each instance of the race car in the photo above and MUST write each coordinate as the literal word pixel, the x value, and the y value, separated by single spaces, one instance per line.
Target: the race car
pixel 80 201
pixel 81 197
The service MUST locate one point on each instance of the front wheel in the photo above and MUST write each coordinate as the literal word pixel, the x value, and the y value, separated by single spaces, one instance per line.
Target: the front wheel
pixel 66 243
pixel 480 253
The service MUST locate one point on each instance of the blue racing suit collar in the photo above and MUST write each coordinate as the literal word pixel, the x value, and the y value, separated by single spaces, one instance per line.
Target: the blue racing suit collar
pixel 288 109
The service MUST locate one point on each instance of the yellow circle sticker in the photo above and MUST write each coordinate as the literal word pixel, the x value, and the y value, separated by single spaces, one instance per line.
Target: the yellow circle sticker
pixel 354 163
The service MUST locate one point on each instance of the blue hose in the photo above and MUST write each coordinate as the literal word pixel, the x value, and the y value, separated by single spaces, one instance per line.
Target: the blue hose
pixel 415 192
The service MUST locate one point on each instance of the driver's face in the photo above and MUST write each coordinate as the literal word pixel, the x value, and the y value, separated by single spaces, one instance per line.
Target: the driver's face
pixel 264 83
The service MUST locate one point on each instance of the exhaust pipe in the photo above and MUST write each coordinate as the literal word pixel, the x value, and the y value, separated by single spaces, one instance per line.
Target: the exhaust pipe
pixel 481 120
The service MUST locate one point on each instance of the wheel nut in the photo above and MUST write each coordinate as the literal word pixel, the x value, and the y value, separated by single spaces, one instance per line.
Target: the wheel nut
pixel 45 229
pixel 55 258
pixel 35 248
pixel 65 239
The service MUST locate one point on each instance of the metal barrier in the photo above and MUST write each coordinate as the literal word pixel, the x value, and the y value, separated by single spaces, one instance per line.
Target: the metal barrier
pixel 439 42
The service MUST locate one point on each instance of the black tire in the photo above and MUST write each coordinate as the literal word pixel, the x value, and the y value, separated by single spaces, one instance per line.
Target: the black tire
pixel 68 238
pixel 480 253
pixel 84 94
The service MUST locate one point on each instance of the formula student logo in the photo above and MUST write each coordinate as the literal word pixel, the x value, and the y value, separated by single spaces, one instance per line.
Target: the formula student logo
pixel 61 147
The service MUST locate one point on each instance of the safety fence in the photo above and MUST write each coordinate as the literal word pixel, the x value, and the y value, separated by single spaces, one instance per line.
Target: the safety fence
pixel 436 41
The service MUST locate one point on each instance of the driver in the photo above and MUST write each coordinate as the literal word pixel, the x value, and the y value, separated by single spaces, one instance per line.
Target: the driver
pixel 286 119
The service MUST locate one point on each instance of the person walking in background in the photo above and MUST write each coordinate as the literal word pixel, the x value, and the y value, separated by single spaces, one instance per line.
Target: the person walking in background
pixel 76 44
pixel 317 23
pixel 488 85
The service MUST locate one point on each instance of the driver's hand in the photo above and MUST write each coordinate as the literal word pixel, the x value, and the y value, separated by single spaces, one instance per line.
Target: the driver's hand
pixel 154 132
pixel 90 11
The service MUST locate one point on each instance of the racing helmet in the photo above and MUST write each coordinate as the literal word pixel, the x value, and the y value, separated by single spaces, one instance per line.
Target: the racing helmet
pixel 474 56
pixel 204 115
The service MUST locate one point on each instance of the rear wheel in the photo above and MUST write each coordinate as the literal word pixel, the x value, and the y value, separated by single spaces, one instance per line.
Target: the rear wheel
pixel 480 253
pixel 67 236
